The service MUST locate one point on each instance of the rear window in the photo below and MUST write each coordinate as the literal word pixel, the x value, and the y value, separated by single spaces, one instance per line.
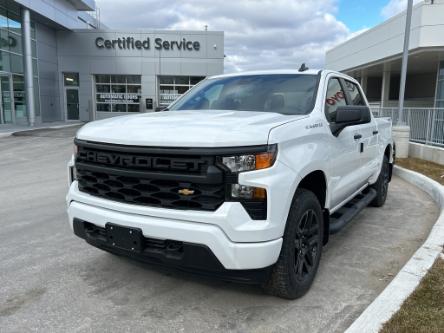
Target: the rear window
pixel 281 93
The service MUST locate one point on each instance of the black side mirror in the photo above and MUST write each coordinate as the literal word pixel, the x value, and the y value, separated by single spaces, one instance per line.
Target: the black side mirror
pixel 350 115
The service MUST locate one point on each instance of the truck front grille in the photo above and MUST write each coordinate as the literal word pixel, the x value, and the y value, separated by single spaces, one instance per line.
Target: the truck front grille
pixel 150 192
pixel 149 176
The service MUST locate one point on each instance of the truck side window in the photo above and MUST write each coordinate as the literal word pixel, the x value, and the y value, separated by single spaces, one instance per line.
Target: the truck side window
pixel 355 94
pixel 335 97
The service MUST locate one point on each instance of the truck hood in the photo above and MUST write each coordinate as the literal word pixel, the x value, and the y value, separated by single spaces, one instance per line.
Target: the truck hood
pixel 202 128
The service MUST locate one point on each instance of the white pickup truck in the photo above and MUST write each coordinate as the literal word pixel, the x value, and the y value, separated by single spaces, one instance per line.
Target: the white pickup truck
pixel 243 177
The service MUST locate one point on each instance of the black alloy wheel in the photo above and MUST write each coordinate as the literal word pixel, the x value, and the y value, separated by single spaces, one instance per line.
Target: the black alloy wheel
pixel 306 244
pixel 298 261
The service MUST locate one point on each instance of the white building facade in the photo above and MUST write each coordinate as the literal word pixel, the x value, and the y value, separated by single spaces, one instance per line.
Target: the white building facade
pixel 374 58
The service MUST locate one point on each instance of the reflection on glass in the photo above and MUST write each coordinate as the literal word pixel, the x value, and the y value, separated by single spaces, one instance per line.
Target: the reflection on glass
pixel 112 96
pixel 36 97
pixel 34 48
pixel 118 78
pixel 3 19
pixel 14 24
pixel 18 85
pixel 16 63
pixel 119 107
pixel 71 79
pixel 6 99
pixel 15 43
pixel 103 79
pixel 72 103
pixel 118 88
pixel 4 61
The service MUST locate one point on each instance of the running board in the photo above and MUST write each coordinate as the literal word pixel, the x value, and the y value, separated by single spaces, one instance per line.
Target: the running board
pixel 346 213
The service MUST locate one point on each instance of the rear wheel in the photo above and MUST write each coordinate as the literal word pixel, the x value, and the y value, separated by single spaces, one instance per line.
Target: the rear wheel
pixel 381 185
pixel 301 250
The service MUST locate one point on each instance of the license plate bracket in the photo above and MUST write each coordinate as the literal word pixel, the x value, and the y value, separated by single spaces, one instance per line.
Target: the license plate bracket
pixel 124 238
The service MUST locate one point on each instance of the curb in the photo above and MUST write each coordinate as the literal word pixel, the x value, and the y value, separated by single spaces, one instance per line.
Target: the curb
pixel 6 134
pixel 409 277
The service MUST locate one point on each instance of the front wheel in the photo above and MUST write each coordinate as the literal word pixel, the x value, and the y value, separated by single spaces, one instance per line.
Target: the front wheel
pixel 298 261
pixel 381 185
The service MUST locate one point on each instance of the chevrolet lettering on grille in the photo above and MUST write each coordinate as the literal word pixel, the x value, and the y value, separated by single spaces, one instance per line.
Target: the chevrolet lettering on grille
pixel 143 162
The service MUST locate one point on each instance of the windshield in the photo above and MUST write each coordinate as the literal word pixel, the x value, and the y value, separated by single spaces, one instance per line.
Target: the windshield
pixel 282 93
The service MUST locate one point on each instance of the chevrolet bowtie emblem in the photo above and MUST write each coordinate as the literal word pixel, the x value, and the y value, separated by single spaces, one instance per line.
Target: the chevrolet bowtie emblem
pixel 185 191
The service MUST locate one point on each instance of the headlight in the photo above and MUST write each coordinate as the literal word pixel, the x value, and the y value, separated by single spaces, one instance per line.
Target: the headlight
pixel 248 192
pixel 250 162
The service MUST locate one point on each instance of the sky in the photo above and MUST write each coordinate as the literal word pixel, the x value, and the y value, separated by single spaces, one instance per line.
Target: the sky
pixel 259 34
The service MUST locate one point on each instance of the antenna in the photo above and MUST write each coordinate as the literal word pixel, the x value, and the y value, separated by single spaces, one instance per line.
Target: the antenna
pixel 303 68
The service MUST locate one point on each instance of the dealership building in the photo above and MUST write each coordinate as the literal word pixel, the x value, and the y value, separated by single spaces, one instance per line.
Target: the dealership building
pixel 59 63
pixel 374 58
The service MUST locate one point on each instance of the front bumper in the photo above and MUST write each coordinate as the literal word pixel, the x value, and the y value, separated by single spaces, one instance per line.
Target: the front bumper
pixel 189 257
pixel 231 255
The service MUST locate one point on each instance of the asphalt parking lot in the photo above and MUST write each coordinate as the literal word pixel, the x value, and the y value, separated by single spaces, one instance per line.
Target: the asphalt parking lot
pixel 52 281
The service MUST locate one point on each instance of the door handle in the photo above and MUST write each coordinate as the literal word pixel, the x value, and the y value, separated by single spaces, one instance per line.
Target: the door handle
pixel 357 136
pixel 375 132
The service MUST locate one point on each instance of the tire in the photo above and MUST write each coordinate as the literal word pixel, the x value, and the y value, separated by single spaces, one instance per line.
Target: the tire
pixel 292 275
pixel 381 185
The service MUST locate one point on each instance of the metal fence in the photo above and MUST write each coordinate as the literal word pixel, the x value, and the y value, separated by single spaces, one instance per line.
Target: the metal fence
pixel 426 124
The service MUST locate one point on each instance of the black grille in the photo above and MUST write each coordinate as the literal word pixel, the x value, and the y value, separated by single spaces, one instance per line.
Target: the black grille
pixel 150 192
pixel 150 179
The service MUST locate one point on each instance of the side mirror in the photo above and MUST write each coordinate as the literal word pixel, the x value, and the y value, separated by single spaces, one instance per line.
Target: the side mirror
pixel 350 115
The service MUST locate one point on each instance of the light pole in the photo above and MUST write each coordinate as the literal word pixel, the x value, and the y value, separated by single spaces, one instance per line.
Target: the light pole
pixel 405 59
pixel 401 132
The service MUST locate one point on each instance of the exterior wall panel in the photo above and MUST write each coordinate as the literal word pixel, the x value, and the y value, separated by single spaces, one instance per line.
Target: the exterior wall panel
pixel 48 74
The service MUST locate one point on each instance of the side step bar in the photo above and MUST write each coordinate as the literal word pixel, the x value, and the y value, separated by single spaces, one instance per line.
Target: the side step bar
pixel 346 213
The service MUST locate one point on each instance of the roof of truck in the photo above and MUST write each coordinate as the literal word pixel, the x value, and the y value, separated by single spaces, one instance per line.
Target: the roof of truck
pixel 270 72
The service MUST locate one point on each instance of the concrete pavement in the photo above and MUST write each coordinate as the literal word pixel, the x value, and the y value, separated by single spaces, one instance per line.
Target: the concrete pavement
pixel 52 281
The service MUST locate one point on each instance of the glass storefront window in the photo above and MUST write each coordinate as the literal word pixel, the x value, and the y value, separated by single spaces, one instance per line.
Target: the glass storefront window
pixel 103 78
pixel 118 79
pixel 71 79
pixel 4 40
pixel 133 79
pixel 172 87
pixel 14 23
pixel 11 61
pixel 103 88
pixel 18 84
pixel 33 35
pixel 195 80
pixel 118 108
pixel 133 107
pixel 3 19
pixel 4 62
pixel 15 43
pixel 36 96
pixel 166 79
pixel 118 88
pixel 118 93
pixel 103 107
pixel 34 48
pixel 133 89
pixel 16 63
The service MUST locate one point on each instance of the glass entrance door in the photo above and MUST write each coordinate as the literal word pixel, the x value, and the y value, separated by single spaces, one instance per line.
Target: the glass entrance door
pixel 72 103
pixel 6 110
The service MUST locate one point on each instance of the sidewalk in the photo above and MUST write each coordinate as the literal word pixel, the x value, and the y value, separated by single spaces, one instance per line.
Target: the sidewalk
pixel 7 130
